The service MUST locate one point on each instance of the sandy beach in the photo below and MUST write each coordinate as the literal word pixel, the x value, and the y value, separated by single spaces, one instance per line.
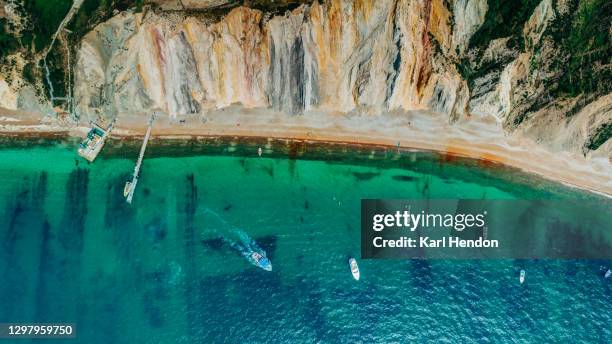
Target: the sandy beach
pixel 478 138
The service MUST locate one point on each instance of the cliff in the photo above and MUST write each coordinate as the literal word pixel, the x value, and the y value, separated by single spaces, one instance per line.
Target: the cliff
pixel 541 68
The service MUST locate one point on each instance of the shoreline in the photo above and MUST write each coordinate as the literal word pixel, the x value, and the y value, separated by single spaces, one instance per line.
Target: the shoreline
pixel 468 141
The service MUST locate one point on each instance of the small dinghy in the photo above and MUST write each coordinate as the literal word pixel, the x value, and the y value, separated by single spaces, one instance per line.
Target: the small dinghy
pixel 522 276
pixel 608 273
pixel 354 268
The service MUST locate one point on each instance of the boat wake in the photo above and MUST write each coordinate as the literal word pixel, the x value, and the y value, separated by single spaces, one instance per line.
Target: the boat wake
pixel 240 241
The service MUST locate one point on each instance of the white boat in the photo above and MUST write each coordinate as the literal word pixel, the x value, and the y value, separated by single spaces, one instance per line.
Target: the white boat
pixel 354 268
pixel 261 261
pixel 126 189
pixel 608 273
pixel 522 276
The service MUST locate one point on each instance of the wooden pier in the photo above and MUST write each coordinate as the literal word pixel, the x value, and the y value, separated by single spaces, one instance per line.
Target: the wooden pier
pixel 130 186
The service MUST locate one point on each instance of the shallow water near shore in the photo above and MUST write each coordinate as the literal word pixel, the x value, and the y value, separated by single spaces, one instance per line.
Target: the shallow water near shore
pixel 157 271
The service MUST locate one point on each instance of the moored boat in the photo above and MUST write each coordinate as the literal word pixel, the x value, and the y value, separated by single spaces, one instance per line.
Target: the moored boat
pixel 354 268
pixel 522 276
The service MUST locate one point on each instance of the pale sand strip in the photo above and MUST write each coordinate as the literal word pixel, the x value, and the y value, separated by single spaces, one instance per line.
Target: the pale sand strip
pixel 476 138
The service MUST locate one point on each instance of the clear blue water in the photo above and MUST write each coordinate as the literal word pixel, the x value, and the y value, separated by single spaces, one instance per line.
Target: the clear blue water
pixel 158 271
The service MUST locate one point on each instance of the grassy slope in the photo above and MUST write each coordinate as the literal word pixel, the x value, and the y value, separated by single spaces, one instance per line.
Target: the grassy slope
pixel 584 36
pixel 45 16
pixel 583 39
pixel 588 43
pixel 503 19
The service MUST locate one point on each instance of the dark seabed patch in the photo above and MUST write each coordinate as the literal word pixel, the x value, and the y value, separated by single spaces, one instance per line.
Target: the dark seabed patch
pixel 59 279
pixel 363 176
pixel 214 244
pixel 23 224
pixel 243 163
pixel 157 230
pixel 45 265
pixel 119 218
pixel 404 178
pixel 15 208
pixel 193 299
pixel 269 169
pixel 117 215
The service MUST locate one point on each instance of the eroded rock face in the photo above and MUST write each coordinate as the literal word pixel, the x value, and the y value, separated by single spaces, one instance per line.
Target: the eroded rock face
pixel 8 98
pixel 550 124
pixel 470 15
pixel 343 56
pixel 340 56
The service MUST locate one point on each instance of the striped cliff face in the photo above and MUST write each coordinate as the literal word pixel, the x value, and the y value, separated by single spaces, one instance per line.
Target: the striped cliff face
pixel 341 56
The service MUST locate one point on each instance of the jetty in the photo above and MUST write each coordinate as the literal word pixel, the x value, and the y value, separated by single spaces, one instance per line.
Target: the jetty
pixel 94 141
pixel 130 186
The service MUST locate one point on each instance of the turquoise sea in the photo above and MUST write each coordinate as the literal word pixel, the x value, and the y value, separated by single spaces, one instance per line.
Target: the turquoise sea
pixel 159 270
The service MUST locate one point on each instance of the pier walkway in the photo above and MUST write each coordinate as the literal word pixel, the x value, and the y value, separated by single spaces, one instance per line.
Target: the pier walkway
pixel 130 187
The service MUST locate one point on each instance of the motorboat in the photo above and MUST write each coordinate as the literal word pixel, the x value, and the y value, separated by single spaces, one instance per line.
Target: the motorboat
pixel 522 276
pixel 260 261
pixel 354 268
pixel 242 243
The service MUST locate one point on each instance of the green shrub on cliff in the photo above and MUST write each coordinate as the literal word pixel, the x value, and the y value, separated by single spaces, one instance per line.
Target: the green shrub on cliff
pixel 8 43
pixel 45 17
pixel 503 19
pixel 589 48
pixel 602 134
